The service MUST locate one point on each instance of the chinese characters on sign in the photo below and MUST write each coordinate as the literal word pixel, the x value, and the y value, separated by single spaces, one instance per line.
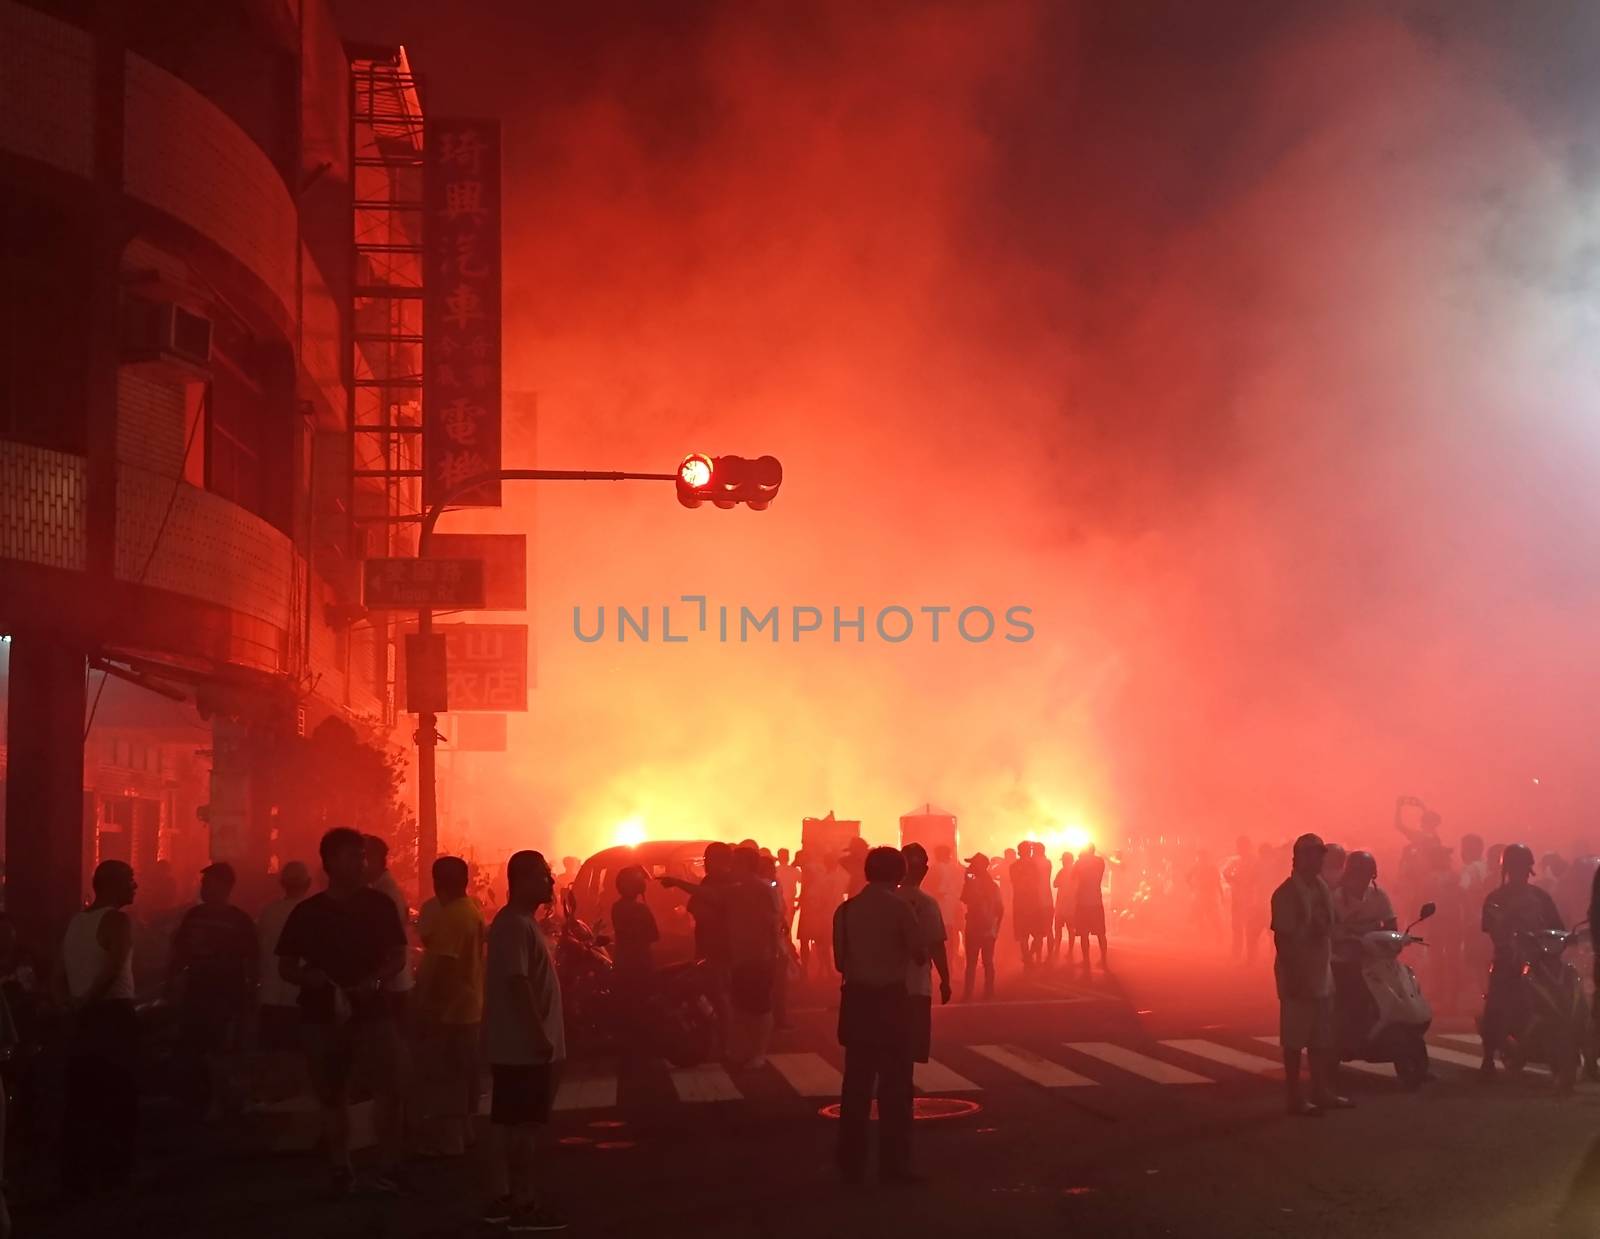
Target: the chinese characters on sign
pixel 461 360
pixel 505 564
pixel 407 584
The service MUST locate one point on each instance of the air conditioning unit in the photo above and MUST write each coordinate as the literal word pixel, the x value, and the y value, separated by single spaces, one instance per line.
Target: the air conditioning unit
pixel 166 332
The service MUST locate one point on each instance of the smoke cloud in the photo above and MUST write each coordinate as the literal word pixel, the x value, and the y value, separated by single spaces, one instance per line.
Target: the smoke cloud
pixel 1250 345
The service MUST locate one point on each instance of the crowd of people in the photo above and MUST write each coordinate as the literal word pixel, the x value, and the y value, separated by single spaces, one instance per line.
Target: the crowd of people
pixel 1021 898
pixel 347 992
pixel 342 992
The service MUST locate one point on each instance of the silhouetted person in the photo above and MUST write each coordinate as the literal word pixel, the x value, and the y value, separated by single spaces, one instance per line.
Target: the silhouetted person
pixel 788 878
pixel 945 881
pixel 1089 917
pixel 213 966
pixel 1065 907
pixel 875 943
pixel 823 888
pixel 397 989
pixel 101 1093
pixel 1333 865
pixel 854 864
pixel 1514 907
pixel 278 1021
pixel 1302 931
pixel 636 933
pixel 339 946
pixel 747 903
pixel 713 941
pixel 527 1045
pixel 931 931
pixel 1241 877
pixel 985 911
pixel 448 1007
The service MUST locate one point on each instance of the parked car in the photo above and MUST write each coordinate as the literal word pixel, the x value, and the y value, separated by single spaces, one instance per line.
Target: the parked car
pixel 596 890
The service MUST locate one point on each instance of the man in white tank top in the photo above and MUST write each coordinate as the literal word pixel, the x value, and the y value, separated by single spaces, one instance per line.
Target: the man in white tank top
pixel 100 1086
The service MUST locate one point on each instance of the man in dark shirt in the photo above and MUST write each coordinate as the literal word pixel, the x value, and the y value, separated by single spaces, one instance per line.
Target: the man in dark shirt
pixel 212 975
pixel 339 946
pixel 1514 907
pixel 713 936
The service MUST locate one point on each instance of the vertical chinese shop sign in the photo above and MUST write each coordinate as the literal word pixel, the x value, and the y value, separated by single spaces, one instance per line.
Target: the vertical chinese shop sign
pixel 461 322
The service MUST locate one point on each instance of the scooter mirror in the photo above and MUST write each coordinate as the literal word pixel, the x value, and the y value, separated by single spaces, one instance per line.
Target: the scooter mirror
pixel 1428 910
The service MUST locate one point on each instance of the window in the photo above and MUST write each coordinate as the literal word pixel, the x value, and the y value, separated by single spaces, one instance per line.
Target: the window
pixel 44 306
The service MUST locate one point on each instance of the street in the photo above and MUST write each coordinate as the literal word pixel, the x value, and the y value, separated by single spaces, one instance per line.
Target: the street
pixel 1090 1108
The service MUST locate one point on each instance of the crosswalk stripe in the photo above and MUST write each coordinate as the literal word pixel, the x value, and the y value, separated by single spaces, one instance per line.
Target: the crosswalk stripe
pixel 591 1089
pixel 810 1075
pixel 1471 1039
pixel 708 1082
pixel 1227 1056
pixel 1138 1064
pixel 1372 1069
pixel 1031 1066
pixel 1439 1053
pixel 934 1077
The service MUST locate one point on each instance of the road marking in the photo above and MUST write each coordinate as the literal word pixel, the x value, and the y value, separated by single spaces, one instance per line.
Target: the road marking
pixel 1386 1070
pixel 1227 1056
pixel 1438 1053
pixel 810 1075
pixel 1471 1039
pixel 934 1077
pixel 1138 1064
pixel 1031 1066
pixel 589 1089
pixel 705 1083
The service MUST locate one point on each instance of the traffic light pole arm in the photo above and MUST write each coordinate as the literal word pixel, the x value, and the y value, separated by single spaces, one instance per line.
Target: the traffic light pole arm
pixel 431 517
pixel 428 722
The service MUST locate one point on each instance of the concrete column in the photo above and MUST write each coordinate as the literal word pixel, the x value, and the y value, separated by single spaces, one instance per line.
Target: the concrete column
pixel 45 879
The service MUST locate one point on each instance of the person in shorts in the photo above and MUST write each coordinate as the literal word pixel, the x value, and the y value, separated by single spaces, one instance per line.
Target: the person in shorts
pixel 526 1042
pixel 339 947
pixel 1302 930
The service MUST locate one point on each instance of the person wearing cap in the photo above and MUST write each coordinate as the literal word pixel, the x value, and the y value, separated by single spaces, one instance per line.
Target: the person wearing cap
pixel 212 977
pixel 1302 931
pixel 1515 906
pixel 985 911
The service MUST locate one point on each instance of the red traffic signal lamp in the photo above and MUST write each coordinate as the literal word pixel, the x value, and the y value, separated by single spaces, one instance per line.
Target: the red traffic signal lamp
pixel 728 480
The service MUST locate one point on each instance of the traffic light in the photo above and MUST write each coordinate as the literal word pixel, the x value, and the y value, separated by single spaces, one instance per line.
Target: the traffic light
pixel 728 480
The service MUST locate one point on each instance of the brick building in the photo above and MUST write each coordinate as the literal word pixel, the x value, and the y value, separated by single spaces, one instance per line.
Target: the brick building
pixel 181 367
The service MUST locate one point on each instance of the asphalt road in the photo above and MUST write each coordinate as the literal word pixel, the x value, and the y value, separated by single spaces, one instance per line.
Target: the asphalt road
pixel 1145 1103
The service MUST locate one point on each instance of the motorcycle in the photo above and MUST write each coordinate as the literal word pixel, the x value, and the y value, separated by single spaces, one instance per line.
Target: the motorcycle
pixel 1384 1016
pixel 1553 1023
pixel 676 1011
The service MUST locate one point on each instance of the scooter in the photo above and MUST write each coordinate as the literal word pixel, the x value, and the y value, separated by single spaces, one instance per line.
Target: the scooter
pixel 1386 1019
pixel 678 1009
pixel 1554 1020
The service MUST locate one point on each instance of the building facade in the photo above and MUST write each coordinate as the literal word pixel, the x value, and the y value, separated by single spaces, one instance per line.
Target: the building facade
pixel 181 520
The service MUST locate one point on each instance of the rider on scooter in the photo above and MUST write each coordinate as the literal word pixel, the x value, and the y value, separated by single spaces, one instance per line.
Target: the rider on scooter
pixel 1516 905
pixel 1359 906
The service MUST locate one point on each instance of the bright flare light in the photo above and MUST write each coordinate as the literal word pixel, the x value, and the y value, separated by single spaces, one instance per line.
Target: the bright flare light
pixel 1073 838
pixel 629 833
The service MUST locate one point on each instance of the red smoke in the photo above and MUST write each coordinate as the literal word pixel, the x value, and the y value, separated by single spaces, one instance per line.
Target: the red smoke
pixel 1250 347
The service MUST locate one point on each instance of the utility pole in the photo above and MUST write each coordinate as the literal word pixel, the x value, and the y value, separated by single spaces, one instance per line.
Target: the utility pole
pixel 428 721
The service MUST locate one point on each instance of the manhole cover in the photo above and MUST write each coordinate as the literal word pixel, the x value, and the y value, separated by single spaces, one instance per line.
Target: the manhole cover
pixel 923 1109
